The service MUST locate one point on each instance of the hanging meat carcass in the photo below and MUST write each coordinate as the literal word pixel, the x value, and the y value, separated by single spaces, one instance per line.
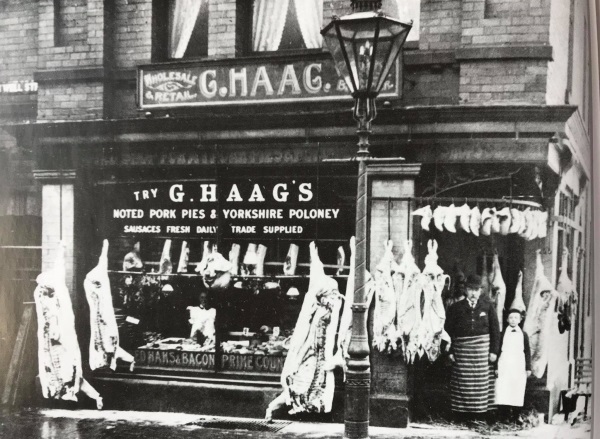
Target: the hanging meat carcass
pixel 567 296
pixel 433 280
pixel 184 258
pixel 540 317
pixel 307 377
pixel 206 251
pixel 384 324
pixel 497 288
pixel 132 260
pixel 59 357
pixel 291 261
pixel 485 277
pixel 341 259
pixel 518 302
pixel 165 266
pixel 217 272
pixel 234 259
pixel 104 337
pixel 408 293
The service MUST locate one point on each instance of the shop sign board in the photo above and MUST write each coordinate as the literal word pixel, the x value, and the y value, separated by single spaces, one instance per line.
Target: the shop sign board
pixel 18 87
pixel 283 207
pixel 206 361
pixel 242 81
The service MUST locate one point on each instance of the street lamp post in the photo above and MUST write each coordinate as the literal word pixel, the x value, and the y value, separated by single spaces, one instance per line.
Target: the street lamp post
pixel 364 46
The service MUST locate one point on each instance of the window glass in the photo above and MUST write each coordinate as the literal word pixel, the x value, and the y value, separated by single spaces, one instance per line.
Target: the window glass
pixel 188 29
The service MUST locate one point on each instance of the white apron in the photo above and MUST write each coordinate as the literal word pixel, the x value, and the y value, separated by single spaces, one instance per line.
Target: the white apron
pixel 512 376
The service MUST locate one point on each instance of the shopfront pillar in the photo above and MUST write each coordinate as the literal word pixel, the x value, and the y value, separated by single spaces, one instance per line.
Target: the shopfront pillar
pixel 390 187
pixel 58 217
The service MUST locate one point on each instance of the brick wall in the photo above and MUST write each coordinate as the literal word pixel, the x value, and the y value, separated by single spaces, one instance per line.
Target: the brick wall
pixel 515 81
pixel 221 32
pixel 73 100
pixel 133 33
pixel 71 22
pixel 514 22
pixel 440 24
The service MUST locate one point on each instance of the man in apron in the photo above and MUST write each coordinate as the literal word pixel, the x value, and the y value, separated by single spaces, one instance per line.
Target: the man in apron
pixel 472 324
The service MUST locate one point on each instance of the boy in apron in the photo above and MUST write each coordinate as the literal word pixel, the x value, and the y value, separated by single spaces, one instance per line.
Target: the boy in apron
pixel 514 367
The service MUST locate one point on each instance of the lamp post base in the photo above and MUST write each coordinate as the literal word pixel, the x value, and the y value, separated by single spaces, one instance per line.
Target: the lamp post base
pixel 358 392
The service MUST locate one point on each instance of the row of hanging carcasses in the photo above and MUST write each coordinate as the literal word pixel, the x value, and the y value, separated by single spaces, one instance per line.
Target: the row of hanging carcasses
pixel 400 322
pixel 528 224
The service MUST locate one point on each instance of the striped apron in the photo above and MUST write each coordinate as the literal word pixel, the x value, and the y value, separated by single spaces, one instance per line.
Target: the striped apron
pixel 472 382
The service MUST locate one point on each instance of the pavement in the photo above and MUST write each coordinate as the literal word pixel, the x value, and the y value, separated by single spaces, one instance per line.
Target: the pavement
pixel 84 424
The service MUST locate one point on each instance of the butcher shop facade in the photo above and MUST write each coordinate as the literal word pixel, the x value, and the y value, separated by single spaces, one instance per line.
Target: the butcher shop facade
pixel 215 187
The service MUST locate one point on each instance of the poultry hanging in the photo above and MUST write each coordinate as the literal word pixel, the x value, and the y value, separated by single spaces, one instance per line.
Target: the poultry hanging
pixel 307 376
pixel 439 214
pixel 486 221
pixel 518 302
pixel 540 318
pixel 384 324
pixel 567 296
pixel 426 215
pixel 516 220
pixel 450 218
pixel 495 225
pixel 497 288
pixel 465 217
pixel 475 221
pixel 104 337
pixel 504 218
pixel 406 282
pixel 433 280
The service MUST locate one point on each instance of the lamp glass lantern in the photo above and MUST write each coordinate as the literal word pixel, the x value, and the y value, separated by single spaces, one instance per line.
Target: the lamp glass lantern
pixel 364 47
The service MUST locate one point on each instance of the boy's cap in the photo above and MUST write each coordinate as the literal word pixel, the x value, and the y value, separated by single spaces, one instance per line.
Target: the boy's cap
pixel 473 282
pixel 513 311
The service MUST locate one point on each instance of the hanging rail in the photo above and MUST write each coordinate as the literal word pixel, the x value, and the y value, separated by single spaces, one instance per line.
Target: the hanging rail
pixel 465 199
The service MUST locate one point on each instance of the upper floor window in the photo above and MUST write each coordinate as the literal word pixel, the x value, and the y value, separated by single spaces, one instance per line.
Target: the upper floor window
pixel 188 28
pixel 286 24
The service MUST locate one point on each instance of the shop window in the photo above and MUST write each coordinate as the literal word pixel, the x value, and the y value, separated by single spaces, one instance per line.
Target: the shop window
pixel 187 30
pixel 174 320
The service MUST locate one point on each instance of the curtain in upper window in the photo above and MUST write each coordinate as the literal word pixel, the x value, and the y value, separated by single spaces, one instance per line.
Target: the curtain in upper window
pixel 310 21
pixel 299 25
pixel 183 15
